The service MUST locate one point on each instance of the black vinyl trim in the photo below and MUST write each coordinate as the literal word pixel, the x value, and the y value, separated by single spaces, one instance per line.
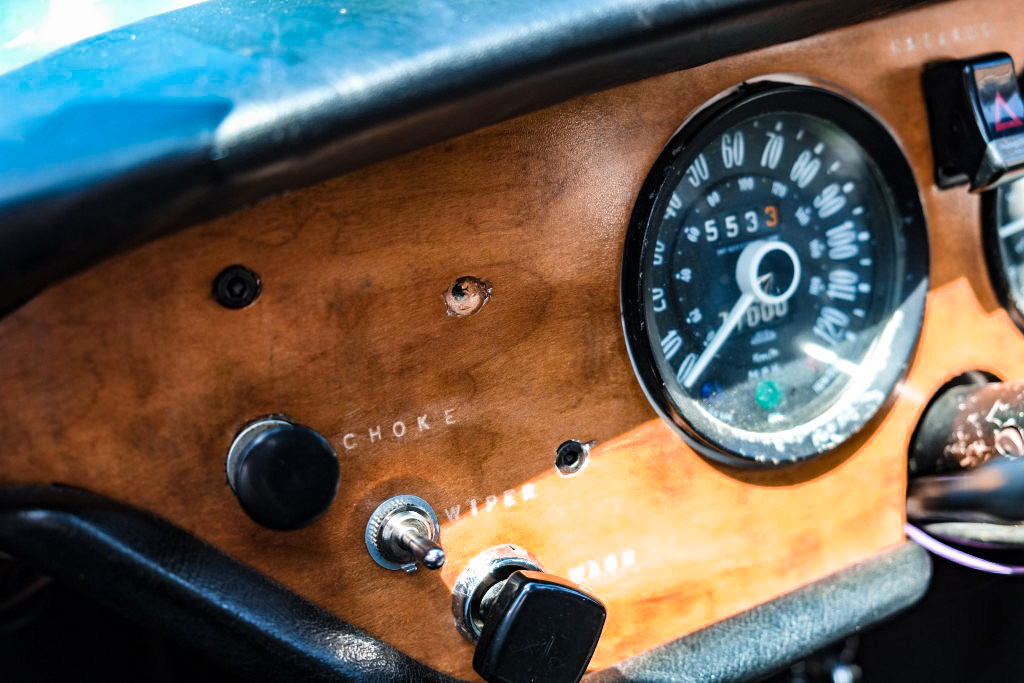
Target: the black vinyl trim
pixel 158 574
pixel 763 639
pixel 184 116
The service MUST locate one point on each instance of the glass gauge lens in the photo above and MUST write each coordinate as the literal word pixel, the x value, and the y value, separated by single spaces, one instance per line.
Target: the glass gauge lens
pixel 774 275
pixel 1003 225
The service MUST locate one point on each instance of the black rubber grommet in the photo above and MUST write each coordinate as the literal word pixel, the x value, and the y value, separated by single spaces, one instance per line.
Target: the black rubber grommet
pixel 237 287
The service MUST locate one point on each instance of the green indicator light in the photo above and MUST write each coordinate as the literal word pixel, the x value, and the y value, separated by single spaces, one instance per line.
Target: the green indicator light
pixel 767 395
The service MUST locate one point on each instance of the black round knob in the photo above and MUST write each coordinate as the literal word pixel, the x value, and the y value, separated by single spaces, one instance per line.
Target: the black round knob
pixel 284 474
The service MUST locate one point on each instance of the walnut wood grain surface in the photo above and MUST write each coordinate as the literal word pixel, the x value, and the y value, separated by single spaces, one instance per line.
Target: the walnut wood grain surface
pixel 131 381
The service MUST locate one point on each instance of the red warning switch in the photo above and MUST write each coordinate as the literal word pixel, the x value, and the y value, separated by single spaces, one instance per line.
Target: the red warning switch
pixel 1005 117
pixel 976 119
pixel 998 95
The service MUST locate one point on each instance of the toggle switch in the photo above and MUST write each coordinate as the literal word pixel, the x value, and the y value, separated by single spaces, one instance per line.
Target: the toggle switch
pixel 976 118
pixel 403 533
pixel 967 455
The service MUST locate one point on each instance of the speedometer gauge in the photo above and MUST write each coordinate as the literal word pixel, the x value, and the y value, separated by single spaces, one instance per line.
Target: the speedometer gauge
pixel 774 275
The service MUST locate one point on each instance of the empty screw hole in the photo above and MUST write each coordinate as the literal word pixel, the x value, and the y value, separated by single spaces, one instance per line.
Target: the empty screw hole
pixel 571 456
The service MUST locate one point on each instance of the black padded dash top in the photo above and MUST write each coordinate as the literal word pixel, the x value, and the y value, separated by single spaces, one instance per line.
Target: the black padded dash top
pixel 183 116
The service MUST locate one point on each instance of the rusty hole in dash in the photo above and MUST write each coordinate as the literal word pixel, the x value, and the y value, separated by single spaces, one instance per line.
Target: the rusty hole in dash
pixel 466 296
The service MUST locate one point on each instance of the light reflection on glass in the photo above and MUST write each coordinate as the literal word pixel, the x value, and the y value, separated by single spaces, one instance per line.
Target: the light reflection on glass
pixel 30 29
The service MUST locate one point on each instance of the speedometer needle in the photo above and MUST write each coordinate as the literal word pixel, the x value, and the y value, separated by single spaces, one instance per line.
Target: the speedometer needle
pixel 752 289
pixel 721 334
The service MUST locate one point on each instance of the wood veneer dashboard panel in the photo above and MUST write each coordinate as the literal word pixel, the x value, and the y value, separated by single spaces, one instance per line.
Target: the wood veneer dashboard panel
pixel 130 381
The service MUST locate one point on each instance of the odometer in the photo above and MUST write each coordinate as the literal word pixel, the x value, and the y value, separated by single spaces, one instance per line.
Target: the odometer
pixel 774 274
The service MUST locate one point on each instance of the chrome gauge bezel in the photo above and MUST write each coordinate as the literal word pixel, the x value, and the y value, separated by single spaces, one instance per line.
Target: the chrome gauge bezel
pixel 889 354
pixel 992 219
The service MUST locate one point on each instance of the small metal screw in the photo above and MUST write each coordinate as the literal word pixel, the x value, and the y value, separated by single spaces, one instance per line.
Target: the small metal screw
pixel 236 287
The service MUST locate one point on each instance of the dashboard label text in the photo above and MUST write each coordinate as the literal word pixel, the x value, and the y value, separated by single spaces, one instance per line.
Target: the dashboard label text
pixel 398 429
pixel 609 564
pixel 489 503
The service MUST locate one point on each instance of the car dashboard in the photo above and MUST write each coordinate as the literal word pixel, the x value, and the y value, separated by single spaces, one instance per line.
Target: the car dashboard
pixel 445 309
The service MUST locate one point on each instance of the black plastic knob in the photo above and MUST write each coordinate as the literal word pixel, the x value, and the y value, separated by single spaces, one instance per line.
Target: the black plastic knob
pixel 284 474
pixel 538 627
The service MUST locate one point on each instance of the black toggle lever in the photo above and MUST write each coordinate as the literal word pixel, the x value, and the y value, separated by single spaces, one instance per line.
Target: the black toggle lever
pixel 968 455
pixel 990 493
